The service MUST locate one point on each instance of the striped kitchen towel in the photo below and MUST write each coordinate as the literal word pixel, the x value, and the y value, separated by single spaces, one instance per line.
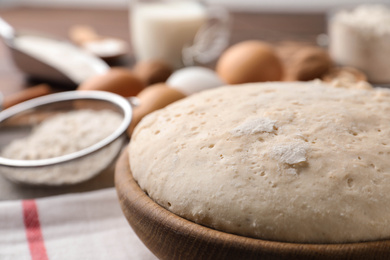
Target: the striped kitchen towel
pixel 75 226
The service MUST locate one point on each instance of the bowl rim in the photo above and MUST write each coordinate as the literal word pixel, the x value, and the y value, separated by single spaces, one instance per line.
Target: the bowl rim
pixel 112 98
pixel 131 195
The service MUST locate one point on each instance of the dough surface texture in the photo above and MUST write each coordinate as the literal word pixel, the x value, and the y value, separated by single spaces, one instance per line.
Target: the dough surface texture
pixel 295 162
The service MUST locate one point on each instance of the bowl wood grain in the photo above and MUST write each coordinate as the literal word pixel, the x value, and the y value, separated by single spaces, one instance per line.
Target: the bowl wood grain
pixel 171 237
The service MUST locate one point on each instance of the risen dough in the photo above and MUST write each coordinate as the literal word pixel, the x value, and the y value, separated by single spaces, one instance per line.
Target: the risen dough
pixel 297 162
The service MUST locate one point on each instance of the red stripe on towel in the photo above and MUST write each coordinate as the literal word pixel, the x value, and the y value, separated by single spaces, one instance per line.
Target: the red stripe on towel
pixel 33 230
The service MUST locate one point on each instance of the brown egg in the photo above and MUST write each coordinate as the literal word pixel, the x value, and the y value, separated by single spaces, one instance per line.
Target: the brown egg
pixel 152 71
pixel 249 61
pixel 152 98
pixel 308 63
pixel 121 81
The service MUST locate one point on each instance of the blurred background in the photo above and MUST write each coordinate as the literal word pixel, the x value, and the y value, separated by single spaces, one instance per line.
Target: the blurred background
pixel 243 5
pixel 275 22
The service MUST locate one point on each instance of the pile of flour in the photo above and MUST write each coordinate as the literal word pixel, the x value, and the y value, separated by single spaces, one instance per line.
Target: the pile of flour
pixel 60 135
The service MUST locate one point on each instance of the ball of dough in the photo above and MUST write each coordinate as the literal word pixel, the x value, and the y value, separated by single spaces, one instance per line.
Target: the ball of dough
pixel 296 162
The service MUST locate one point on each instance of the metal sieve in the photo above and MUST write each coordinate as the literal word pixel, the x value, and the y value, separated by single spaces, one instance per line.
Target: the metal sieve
pixel 19 121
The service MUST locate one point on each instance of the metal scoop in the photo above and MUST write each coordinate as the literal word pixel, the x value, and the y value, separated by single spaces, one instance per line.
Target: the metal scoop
pixel 38 68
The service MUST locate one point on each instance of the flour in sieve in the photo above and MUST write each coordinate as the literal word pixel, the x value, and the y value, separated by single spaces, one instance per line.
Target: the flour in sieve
pixel 63 134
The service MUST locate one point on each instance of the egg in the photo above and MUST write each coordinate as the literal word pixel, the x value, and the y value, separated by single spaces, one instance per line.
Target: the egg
pixel 152 98
pixel 194 79
pixel 118 80
pixel 249 61
pixel 152 71
pixel 308 63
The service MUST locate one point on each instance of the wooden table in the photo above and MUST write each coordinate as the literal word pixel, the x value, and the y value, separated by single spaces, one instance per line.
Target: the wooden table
pixel 273 28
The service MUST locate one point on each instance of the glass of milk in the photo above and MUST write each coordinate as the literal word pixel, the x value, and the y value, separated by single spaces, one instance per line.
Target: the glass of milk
pixel 179 32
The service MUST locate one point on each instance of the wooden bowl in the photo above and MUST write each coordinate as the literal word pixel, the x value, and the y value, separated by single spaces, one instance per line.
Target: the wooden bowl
pixel 169 236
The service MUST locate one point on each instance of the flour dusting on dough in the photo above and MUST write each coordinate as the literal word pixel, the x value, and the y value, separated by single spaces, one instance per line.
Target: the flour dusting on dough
pixel 290 153
pixel 253 126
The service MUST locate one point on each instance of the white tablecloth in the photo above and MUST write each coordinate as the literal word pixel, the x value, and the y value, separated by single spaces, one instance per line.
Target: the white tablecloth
pixel 76 226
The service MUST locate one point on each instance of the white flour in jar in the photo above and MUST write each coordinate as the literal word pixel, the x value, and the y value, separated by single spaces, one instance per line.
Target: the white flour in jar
pixel 361 38
pixel 63 134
